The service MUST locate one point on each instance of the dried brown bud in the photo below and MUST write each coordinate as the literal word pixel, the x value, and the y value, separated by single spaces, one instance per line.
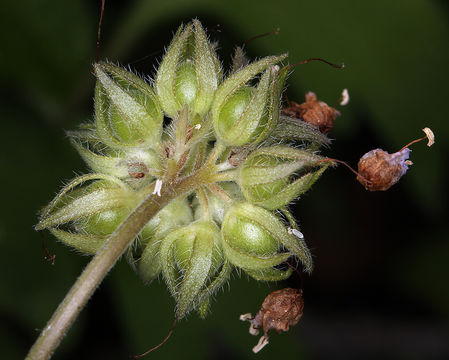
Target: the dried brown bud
pixel 238 156
pixel 379 170
pixel 137 170
pixel 314 112
pixel 280 310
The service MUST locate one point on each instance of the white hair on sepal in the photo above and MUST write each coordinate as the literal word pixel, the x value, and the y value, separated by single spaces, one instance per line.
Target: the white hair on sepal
pixel 149 80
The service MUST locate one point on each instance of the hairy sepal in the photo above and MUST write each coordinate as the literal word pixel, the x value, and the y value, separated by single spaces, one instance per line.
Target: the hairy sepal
pixel 127 113
pixel 267 177
pixel 248 128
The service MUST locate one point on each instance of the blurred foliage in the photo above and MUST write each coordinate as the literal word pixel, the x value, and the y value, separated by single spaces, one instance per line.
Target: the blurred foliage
pixel 380 256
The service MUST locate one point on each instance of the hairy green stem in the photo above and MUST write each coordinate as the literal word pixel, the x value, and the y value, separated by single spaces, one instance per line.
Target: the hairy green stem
pixel 202 198
pixel 218 149
pixel 230 175
pixel 105 259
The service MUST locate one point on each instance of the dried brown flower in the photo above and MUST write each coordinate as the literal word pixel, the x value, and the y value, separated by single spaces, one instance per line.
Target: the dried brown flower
pixel 280 310
pixel 379 170
pixel 313 111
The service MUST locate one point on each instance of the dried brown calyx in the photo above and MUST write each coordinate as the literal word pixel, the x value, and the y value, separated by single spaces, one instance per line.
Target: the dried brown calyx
pixel 280 310
pixel 313 111
pixel 378 170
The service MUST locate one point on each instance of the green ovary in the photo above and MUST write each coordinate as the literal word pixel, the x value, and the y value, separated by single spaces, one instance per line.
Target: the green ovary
pixel 235 106
pixel 186 83
pixel 245 236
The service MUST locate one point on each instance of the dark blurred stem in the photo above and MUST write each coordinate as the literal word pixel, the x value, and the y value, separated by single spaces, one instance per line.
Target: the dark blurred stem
pixel 106 258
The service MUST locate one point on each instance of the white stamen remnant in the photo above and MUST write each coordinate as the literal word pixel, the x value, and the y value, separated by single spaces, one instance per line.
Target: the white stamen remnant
pixel 430 136
pixel 249 317
pixel 253 331
pixel 295 232
pixel 408 162
pixel 157 187
pixel 197 126
pixel 245 317
pixel 263 341
pixel 344 97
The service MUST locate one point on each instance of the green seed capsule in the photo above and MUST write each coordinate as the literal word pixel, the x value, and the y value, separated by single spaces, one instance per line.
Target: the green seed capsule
pixel 88 213
pixel 274 176
pixel 186 83
pixel 246 115
pixel 174 215
pixel 189 73
pixel 103 223
pixel 191 257
pixel 184 247
pixel 127 113
pixel 246 236
pixel 253 236
pixel 234 108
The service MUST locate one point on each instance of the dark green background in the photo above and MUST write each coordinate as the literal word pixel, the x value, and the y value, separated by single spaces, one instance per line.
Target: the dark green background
pixel 380 288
